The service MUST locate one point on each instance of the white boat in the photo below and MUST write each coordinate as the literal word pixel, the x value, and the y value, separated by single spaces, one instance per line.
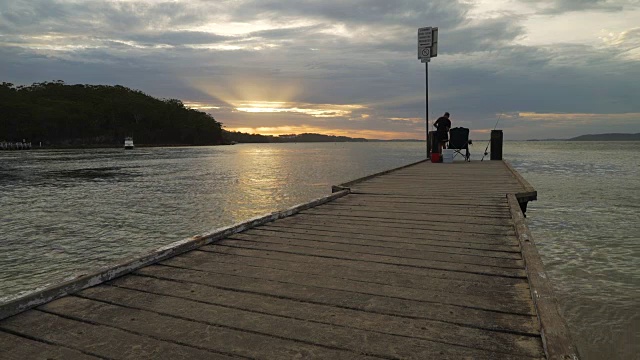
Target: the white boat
pixel 128 142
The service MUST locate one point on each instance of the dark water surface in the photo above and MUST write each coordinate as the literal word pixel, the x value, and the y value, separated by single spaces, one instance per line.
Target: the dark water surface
pixel 586 224
pixel 68 212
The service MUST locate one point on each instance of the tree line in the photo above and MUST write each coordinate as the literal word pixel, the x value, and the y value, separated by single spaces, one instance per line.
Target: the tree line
pixel 55 113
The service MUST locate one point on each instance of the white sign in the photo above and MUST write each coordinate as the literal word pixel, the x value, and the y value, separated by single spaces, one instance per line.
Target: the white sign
pixel 425 36
pixel 427 43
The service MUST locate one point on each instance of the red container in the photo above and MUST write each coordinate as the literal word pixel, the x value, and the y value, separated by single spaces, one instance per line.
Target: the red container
pixel 435 157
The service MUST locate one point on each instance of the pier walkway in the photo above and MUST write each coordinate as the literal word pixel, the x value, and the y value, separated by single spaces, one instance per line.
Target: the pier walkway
pixel 430 261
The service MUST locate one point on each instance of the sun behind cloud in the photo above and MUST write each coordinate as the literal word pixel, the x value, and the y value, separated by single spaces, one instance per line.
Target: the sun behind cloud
pixel 315 110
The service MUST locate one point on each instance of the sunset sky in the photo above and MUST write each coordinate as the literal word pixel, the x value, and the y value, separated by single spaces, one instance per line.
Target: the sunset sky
pixel 549 68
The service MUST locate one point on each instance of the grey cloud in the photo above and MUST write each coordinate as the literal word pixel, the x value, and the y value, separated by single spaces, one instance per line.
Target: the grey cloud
pixel 287 33
pixel 482 35
pixel 358 11
pixel 56 16
pixel 479 35
pixel 178 38
pixel 563 6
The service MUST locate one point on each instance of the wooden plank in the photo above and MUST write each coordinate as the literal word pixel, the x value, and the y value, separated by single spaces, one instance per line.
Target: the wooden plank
pixel 518 303
pixel 491 196
pixel 389 242
pixel 426 202
pixel 496 212
pixel 497 251
pixel 460 229
pixel 98 340
pixel 423 203
pixel 416 215
pixel 487 193
pixel 483 319
pixel 201 334
pixel 339 316
pixel 378 230
pixel 14 347
pixel 357 265
pixel 430 199
pixel 418 226
pixel 352 340
pixel 423 264
pixel 203 260
pixel 475 259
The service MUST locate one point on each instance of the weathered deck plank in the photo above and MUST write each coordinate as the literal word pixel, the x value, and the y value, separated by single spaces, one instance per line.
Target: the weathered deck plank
pixel 97 340
pixel 393 242
pixel 436 296
pixel 329 337
pixel 363 266
pixel 422 262
pixel 461 315
pixel 340 316
pixel 374 246
pixel 16 347
pixel 430 254
pixel 199 260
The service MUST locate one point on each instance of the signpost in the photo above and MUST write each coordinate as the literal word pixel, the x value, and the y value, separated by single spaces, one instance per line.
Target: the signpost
pixel 427 48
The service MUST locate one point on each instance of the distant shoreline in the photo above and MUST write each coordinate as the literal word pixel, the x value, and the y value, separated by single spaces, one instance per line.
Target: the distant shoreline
pixel 598 137
pixel 108 146
pixel 120 146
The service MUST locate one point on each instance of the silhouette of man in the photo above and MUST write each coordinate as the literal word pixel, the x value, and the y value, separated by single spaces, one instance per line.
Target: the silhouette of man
pixel 443 124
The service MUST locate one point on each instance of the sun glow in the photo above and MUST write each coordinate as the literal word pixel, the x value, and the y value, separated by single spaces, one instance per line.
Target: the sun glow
pixel 315 110
pixel 200 106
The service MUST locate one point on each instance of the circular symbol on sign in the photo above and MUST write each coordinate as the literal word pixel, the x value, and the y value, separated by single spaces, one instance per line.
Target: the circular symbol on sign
pixel 426 52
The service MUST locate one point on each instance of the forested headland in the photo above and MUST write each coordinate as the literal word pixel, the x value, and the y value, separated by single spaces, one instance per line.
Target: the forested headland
pixel 61 115
pixel 58 114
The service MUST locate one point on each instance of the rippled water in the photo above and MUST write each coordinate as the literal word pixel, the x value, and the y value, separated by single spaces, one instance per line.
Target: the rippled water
pixel 67 212
pixel 586 223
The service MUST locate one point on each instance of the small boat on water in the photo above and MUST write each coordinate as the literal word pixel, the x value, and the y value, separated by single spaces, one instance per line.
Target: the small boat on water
pixel 128 143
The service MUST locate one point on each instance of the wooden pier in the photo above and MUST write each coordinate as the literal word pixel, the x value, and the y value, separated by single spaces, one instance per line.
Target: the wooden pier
pixel 429 261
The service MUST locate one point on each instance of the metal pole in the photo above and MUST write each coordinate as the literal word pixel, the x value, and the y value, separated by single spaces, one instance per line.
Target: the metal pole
pixel 426 116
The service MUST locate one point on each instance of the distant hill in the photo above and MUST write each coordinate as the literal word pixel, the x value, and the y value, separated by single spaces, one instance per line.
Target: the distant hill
pixel 607 137
pixel 239 137
pixel 311 137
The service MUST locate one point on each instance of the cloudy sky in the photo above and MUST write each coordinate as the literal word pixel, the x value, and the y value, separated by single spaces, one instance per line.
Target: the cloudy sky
pixel 547 68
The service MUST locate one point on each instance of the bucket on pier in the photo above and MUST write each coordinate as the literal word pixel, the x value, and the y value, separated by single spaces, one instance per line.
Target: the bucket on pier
pixel 447 155
pixel 435 157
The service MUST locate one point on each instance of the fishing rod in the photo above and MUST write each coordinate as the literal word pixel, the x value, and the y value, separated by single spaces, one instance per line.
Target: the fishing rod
pixel 487 148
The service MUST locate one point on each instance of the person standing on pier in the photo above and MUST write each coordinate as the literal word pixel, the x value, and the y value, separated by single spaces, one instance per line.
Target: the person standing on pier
pixel 443 124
